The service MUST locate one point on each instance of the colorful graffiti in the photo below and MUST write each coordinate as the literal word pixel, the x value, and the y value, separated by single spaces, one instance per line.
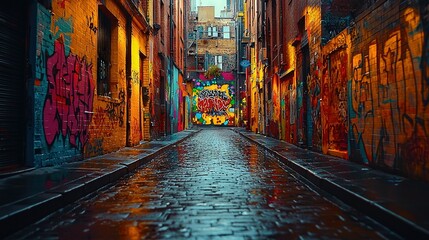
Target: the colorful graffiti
pixel 273 108
pixel 94 147
pixel 116 110
pixel 213 102
pixel 389 126
pixel 336 127
pixel 69 100
pixel 99 129
pixel 314 89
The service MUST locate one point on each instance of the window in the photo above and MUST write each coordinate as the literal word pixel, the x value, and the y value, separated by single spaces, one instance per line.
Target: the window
pixel 218 61
pixel 215 33
pixel 209 31
pixel 103 51
pixel 226 32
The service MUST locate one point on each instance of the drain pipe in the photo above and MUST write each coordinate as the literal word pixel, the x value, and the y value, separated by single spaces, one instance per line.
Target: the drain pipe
pixel 171 64
pixel 128 80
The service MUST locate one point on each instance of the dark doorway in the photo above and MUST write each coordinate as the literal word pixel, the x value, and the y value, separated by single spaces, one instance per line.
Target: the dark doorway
pixel 13 68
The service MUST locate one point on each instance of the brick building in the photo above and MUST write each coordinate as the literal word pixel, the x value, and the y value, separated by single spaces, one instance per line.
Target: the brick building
pixel 345 78
pixel 95 76
pixel 212 42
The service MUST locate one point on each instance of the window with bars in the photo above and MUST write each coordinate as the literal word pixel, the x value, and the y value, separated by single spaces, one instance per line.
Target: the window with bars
pixel 226 32
pixel 104 53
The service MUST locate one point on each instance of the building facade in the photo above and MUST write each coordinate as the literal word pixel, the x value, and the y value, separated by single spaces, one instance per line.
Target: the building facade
pixel 211 45
pixel 95 76
pixel 344 78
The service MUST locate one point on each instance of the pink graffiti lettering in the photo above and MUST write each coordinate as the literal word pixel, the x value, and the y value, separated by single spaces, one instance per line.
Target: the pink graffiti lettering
pixel 68 103
pixel 213 101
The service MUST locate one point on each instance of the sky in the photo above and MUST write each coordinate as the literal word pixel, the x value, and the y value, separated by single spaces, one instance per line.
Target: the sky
pixel 219 5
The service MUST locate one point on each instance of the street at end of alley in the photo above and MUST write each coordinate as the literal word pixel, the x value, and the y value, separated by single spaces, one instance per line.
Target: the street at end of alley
pixel 214 184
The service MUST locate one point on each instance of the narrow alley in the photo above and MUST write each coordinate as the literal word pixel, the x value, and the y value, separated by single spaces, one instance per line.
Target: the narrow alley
pixel 201 119
pixel 214 184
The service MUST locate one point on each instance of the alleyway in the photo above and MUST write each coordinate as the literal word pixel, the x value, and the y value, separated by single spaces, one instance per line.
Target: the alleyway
pixel 214 184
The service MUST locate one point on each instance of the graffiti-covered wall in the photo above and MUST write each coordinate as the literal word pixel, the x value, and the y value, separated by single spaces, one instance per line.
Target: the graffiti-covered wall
pixel 138 84
pixel 72 121
pixel 213 101
pixel 335 75
pixel 389 91
pixel 64 84
pixel 273 107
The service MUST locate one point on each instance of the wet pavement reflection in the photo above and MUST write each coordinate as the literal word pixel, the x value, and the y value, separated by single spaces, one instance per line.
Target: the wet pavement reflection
pixel 215 184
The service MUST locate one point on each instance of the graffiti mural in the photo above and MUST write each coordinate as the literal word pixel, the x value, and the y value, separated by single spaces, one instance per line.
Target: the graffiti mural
pixel 213 102
pixel 388 99
pixel 336 127
pixel 68 105
pixel 99 129
pixel 116 110
pixel 273 108
pixel 314 89
pixel 94 147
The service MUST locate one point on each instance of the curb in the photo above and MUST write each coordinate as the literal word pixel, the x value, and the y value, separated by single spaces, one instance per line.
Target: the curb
pixel 388 218
pixel 15 216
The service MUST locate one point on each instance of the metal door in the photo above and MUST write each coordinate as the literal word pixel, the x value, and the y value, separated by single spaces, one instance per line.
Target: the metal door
pixel 12 82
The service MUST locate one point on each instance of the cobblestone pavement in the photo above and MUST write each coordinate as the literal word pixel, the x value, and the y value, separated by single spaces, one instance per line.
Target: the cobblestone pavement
pixel 213 185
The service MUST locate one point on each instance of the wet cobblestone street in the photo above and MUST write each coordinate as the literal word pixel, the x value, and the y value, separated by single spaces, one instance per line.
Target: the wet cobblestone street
pixel 215 184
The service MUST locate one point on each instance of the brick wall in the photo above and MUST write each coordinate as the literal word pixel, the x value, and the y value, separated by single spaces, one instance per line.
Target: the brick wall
pixel 110 131
pixel 71 120
pixel 66 56
pixel 388 91
pixel 314 36
pixel 333 94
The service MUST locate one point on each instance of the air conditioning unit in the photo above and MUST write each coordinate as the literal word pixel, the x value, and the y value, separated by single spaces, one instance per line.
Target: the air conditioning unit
pixel 263 54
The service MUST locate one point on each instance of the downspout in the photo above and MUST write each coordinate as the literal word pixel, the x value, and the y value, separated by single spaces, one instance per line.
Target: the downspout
pixel 185 58
pixel 280 66
pixel 236 72
pixel 29 160
pixel 237 89
pixel 128 28
pixel 237 62
pixel 264 44
pixel 171 64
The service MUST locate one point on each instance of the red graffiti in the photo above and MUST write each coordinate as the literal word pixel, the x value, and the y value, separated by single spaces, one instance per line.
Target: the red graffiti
pixel 68 104
pixel 213 101
pixel 62 3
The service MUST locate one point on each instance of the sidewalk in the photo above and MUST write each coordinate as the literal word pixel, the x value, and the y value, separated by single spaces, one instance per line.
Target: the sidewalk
pixel 28 197
pixel 399 203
